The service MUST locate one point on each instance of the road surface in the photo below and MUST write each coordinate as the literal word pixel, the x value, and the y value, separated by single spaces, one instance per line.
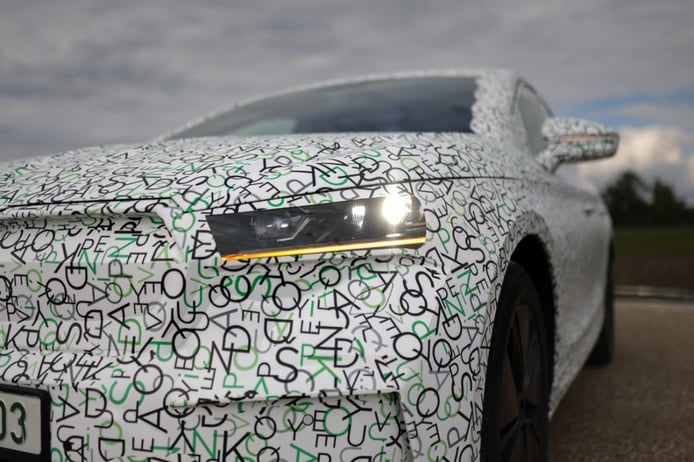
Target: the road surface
pixel 641 407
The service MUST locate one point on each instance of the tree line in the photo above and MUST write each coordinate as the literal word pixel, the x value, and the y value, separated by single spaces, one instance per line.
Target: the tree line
pixel 634 202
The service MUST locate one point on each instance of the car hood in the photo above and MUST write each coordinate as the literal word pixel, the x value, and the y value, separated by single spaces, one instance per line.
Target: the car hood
pixel 209 172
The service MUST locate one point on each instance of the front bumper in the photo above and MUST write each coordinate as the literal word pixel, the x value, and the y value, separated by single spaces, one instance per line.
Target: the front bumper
pixel 356 359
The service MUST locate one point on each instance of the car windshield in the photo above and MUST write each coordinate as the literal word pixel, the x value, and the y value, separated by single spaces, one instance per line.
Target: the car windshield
pixel 424 104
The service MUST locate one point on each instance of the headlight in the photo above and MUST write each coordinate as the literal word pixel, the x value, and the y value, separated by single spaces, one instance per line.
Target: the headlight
pixel 392 221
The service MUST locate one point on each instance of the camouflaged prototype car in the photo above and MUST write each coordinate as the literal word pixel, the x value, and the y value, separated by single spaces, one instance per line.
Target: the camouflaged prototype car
pixel 381 269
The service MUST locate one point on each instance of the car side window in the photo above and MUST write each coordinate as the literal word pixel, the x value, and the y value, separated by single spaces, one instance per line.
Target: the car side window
pixel 533 112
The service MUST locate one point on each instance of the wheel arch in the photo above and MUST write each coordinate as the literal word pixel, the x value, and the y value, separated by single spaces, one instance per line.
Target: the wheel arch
pixel 531 253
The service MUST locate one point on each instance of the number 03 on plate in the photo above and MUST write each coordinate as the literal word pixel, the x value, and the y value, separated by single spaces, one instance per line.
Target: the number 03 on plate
pixel 24 414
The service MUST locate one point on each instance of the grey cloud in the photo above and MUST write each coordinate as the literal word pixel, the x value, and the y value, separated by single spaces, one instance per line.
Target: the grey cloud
pixel 97 71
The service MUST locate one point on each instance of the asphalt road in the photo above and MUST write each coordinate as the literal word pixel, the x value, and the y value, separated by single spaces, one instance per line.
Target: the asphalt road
pixel 641 407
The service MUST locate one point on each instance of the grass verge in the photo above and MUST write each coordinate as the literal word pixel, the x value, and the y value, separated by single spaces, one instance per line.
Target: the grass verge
pixel 659 257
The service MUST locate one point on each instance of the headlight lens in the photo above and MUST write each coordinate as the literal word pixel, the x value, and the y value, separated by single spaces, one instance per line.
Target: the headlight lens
pixel 392 221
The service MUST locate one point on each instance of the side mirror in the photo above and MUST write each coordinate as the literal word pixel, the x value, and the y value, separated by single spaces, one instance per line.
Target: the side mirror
pixel 575 140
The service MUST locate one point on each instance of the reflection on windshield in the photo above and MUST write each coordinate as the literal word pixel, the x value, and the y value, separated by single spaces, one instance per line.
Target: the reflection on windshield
pixel 426 104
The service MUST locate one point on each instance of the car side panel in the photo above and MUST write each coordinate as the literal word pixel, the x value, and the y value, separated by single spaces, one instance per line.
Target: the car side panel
pixel 580 232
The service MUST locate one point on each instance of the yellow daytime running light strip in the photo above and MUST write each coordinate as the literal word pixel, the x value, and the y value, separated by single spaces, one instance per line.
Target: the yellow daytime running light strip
pixel 327 248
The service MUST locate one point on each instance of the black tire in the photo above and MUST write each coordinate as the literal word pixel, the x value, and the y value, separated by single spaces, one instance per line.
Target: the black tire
pixel 516 396
pixel 603 351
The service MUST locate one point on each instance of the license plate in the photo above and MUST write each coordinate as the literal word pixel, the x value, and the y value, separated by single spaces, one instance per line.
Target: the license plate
pixel 24 419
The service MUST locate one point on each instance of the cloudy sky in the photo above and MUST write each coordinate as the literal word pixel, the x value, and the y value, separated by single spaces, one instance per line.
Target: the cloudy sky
pixel 84 72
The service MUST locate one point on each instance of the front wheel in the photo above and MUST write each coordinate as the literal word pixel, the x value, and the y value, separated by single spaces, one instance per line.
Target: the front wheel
pixel 516 397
